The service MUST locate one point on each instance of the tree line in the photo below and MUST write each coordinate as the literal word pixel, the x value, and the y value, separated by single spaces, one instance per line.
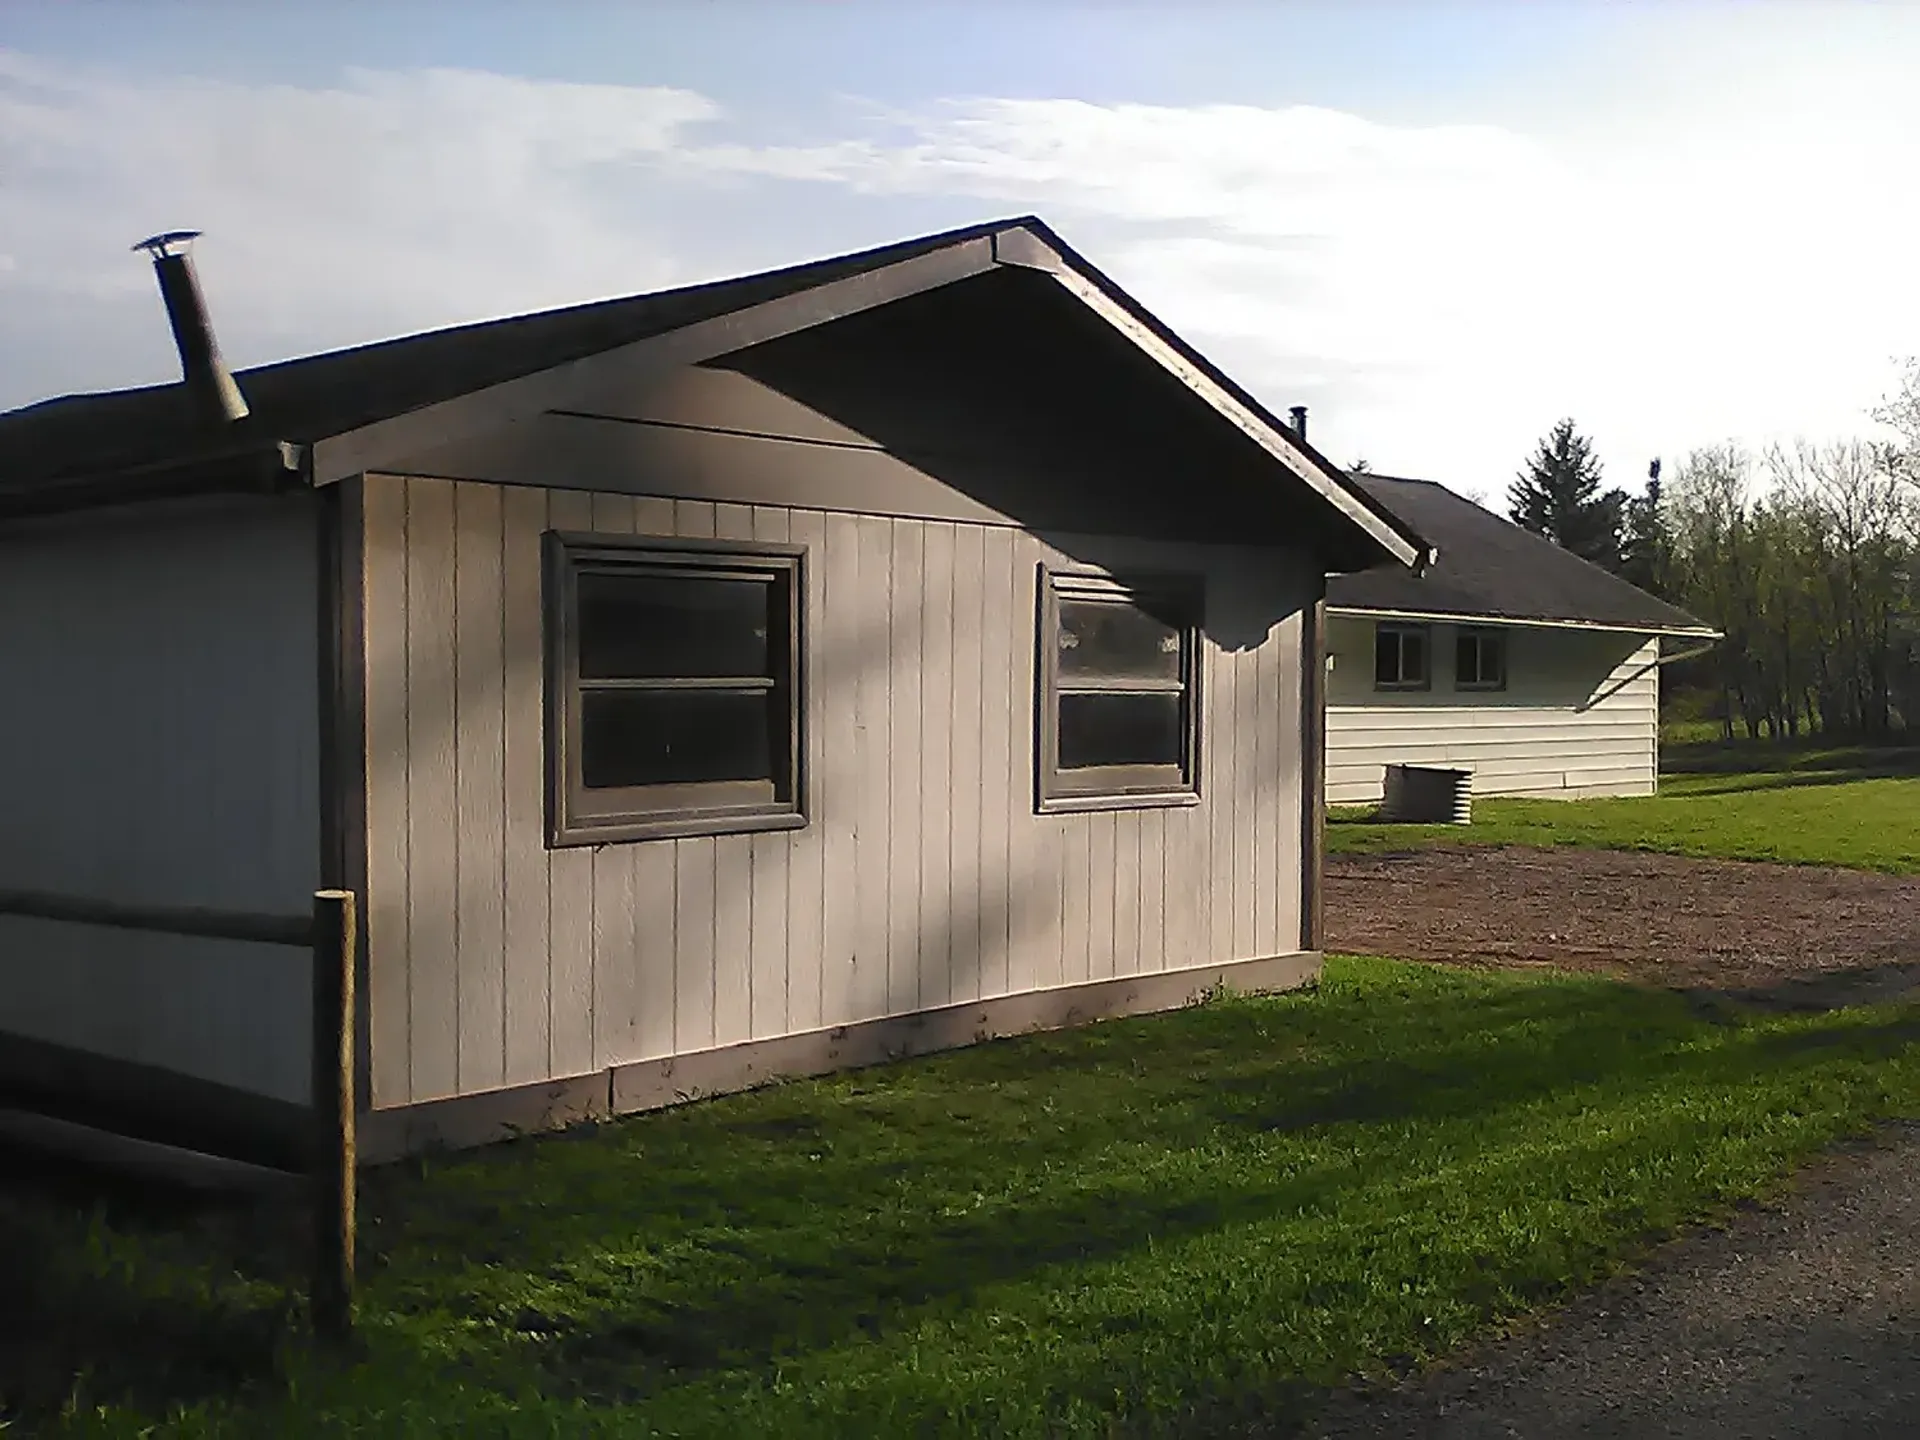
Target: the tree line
pixel 1806 556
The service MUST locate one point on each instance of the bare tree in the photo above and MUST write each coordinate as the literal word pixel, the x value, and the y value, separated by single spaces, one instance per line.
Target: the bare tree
pixel 1812 580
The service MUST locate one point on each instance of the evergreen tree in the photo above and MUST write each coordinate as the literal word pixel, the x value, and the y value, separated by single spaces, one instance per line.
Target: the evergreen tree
pixel 1558 495
pixel 1644 543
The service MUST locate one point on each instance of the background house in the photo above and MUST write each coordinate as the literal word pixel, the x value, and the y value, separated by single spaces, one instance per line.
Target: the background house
pixel 736 681
pixel 1508 656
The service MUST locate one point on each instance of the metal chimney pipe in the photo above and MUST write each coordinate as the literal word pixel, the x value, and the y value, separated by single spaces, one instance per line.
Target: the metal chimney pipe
pixel 205 373
pixel 1299 414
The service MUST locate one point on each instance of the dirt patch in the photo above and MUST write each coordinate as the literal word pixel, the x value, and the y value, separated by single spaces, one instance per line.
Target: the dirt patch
pixel 1780 935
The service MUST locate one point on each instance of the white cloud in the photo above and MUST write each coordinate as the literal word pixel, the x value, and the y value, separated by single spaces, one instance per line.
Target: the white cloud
pixel 383 204
pixel 1439 295
pixel 1448 292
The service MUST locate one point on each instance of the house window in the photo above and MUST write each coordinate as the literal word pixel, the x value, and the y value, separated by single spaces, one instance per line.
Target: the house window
pixel 673 688
pixel 1480 660
pixel 1119 712
pixel 1400 657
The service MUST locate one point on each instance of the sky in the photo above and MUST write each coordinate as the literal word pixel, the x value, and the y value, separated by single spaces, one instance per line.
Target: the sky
pixel 1441 226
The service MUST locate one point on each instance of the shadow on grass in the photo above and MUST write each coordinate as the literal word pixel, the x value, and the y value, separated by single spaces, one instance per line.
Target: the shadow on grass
pixel 1765 757
pixel 1746 782
pixel 88 1316
pixel 752 1294
pixel 1879 982
pixel 744 1235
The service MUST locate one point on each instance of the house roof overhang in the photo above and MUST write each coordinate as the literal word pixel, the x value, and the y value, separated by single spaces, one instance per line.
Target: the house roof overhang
pixel 330 417
pixel 1528 622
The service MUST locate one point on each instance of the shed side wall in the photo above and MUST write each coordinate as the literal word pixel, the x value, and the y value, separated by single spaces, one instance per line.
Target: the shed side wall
pixel 1579 717
pixel 159 744
pixel 923 876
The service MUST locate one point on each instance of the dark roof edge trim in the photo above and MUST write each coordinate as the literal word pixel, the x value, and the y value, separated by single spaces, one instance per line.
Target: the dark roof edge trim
pixel 385 442
pixel 261 468
pixel 1024 247
pixel 1693 632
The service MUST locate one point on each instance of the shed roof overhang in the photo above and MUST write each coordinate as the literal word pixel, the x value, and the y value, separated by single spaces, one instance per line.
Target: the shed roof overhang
pixel 309 431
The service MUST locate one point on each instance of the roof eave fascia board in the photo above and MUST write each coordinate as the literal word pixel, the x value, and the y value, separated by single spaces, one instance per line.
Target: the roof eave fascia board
pixel 255 467
pixel 1022 247
pixel 1463 617
pixel 388 442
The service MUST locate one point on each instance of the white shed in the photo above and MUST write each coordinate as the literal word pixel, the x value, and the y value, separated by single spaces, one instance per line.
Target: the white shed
pixel 732 682
pixel 1509 657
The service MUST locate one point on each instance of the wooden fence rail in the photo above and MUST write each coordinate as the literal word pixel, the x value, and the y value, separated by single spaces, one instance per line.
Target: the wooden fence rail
pixel 330 933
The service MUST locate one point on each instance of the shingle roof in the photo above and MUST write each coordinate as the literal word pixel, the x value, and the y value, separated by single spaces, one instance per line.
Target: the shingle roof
pixel 1489 567
pixel 329 394
pixel 60 451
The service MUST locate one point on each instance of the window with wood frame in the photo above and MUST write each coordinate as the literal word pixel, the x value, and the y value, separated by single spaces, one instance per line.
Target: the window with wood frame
pixel 1119 721
pixel 1480 660
pixel 1401 657
pixel 673 688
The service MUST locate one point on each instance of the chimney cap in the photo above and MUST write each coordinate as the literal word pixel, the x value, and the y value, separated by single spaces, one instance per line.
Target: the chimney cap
pixel 162 244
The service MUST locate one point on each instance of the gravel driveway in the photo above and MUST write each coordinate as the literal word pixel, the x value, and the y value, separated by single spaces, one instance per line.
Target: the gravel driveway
pixel 1791 934
pixel 1800 1318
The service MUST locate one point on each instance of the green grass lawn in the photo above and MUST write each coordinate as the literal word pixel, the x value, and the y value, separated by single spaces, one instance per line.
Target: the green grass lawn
pixel 1804 805
pixel 1187 1224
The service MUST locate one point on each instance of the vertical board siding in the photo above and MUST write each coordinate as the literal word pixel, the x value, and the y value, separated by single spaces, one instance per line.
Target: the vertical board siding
pixel 1151 950
pixel 1269 780
pixel 570 898
pixel 1220 785
pixel 1126 892
pixel 529 955
pixel 963 739
pixel 480 792
pixel 999 664
pixel 807 872
pixel 433 921
pixel 923 876
pixel 835 673
pixel 936 763
pixel 872 707
pixel 904 933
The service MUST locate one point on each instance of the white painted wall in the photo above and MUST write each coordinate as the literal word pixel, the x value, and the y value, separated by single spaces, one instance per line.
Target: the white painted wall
pixel 1579 717
pixel 159 744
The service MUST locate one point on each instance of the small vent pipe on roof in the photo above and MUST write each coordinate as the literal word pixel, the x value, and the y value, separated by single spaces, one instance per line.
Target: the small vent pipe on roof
pixel 1299 414
pixel 206 375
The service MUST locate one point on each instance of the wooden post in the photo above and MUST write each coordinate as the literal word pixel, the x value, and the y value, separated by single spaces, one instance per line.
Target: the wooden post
pixel 333 1113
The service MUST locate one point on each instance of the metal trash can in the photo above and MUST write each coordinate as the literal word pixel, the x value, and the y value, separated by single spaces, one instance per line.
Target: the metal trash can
pixel 1428 795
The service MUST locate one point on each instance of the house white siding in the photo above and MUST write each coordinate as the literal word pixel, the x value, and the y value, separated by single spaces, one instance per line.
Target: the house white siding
pixel 923 876
pixel 159 744
pixel 1579 716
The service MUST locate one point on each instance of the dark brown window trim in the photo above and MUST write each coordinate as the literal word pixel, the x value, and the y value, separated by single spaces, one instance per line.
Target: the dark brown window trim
pixel 1131 787
pixel 702 810
pixel 1389 627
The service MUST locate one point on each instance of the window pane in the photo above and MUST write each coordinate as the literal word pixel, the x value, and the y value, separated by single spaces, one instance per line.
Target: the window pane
pixel 677 737
pixel 1466 660
pixel 1119 730
pixel 1413 657
pixel 1115 639
pixel 654 626
pixel 1386 657
pixel 1493 659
